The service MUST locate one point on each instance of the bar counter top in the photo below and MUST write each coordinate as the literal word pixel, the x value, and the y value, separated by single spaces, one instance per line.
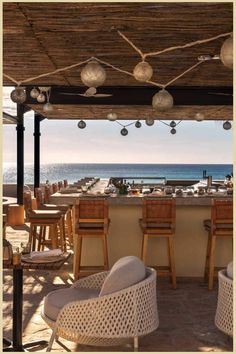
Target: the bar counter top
pixel 205 200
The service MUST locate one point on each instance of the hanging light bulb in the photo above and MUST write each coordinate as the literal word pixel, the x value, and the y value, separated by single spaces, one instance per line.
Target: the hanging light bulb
pixel 34 93
pixel 138 124
pixel 93 74
pixel 149 121
pixel 143 71
pixel 172 124
pixel 18 95
pixel 162 101
pixel 124 131
pixel 41 98
pixel 47 107
pixel 112 116
pixel 173 131
pixel 227 125
pixel 81 124
pixel 226 53
pixel 199 116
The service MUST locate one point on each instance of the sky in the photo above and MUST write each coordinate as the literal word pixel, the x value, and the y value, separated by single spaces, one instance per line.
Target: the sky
pixel 101 142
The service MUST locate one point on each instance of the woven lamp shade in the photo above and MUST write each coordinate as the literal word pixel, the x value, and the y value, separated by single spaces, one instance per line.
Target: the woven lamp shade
pixel 112 116
pixel 143 71
pixel 18 95
pixel 162 101
pixel 93 74
pixel 226 53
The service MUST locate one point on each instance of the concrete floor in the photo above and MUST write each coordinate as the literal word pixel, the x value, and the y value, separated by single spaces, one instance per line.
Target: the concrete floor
pixel 186 314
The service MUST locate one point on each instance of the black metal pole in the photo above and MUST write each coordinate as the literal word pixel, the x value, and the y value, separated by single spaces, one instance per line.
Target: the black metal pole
pixel 17 309
pixel 20 153
pixel 37 134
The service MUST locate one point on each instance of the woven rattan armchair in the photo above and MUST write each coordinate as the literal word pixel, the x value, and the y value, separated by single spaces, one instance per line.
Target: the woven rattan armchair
pixel 111 319
pixel 224 311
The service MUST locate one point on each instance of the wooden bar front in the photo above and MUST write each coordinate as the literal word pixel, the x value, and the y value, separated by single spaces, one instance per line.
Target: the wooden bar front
pixel 125 235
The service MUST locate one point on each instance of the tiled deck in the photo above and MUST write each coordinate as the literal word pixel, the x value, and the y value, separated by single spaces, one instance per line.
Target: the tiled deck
pixel 186 314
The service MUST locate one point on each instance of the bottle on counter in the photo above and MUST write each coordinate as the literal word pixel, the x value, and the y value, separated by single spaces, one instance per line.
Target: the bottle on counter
pixel 228 181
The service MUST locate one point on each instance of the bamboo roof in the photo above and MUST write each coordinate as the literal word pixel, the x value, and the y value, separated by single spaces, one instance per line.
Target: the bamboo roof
pixel 41 37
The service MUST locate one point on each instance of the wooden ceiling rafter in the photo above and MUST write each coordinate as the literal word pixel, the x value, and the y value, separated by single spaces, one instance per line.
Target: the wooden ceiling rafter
pixel 134 112
pixel 77 31
pixel 40 42
pixel 74 32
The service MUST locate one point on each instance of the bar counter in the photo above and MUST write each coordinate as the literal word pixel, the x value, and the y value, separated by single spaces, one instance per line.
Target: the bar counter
pixel 125 236
pixel 59 198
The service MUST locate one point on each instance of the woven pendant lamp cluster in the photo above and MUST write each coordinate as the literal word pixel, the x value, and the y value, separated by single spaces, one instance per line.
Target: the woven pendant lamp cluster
pixel 93 75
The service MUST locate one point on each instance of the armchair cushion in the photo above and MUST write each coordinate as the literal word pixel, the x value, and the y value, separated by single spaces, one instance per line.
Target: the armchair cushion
pixel 230 270
pixel 57 299
pixel 126 272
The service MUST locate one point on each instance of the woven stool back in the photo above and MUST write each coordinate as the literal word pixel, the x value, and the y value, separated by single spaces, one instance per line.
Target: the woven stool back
pixel 222 211
pixel 91 209
pixel 160 211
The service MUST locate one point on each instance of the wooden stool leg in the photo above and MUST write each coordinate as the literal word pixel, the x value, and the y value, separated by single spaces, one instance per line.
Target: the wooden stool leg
pixel 206 271
pixel 40 237
pixel 77 257
pixel 69 227
pixel 169 259
pixel 31 235
pixel 63 234
pixel 144 248
pixel 54 235
pixel 212 263
pixel 34 238
pixel 172 260
pixel 105 252
pixel 44 237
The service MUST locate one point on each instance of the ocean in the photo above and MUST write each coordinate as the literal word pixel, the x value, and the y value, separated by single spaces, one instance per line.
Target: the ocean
pixel 73 172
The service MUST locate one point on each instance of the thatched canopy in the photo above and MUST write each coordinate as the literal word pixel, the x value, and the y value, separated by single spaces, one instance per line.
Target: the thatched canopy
pixel 41 37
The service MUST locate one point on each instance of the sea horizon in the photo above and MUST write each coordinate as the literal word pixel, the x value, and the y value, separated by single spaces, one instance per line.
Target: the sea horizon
pixel 74 171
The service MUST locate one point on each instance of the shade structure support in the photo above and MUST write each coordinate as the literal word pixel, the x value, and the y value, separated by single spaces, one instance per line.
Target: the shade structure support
pixel 20 153
pixel 37 134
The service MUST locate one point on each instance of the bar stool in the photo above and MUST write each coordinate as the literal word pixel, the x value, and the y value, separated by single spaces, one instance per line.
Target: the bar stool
pixel 66 210
pixel 60 185
pixel 91 221
pixel 54 188
pixel 27 204
pixel 159 221
pixel 47 193
pixel 43 219
pixel 39 196
pixel 220 225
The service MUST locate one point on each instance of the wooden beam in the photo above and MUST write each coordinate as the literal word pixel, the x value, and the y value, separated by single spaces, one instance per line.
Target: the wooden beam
pixel 135 112
pixel 38 40
pixel 136 95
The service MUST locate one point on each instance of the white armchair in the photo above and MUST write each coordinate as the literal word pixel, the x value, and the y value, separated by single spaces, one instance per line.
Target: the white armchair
pixel 111 319
pixel 224 311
